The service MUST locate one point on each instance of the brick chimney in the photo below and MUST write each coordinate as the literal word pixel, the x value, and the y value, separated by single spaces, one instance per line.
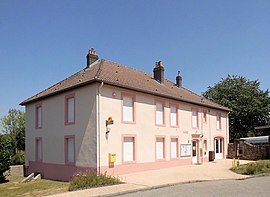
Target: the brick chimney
pixel 91 57
pixel 159 72
pixel 179 80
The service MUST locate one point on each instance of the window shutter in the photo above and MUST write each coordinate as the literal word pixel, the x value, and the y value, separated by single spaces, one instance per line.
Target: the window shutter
pixel 39 118
pixel 173 116
pixel 128 109
pixel 159 148
pixel 128 149
pixel 174 148
pixel 39 147
pixel 71 151
pixel 159 114
pixel 194 119
pixel 71 108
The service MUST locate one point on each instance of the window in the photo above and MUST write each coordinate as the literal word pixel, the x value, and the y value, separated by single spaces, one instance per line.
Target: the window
pixel 38 116
pixel 160 148
pixel 174 116
pixel 70 149
pixel 218 121
pixel 70 109
pixel 128 109
pixel 174 148
pixel 128 149
pixel 39 149
pixel 204 116
pixel 194 118
pixel 159 114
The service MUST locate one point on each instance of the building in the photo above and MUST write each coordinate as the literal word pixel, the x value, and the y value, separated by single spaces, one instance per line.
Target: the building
pixel 156 123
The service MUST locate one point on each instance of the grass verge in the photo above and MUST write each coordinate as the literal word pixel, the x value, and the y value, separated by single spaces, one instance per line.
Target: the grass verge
pixel 37 188
pixel 253 168
pixel 90 179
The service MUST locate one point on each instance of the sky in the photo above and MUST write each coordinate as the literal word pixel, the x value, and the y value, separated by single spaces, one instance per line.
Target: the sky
pixel 43 42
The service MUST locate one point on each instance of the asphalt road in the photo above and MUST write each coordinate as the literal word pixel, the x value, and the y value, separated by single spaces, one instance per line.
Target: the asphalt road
pixel 259 186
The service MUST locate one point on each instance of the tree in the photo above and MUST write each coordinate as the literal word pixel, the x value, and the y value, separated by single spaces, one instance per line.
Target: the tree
pixel 249 104
pixel 5 154
pixel 14 126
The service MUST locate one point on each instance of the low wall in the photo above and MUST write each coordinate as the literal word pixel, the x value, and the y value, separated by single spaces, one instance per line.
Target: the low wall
pixel 15 171
pixel 249 151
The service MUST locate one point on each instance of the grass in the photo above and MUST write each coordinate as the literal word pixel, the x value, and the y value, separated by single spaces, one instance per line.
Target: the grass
pixel 90 179
pixel 253 168
pixel 37 188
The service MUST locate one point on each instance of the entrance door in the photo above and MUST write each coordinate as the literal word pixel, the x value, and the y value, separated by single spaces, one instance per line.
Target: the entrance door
pixel 194 152
pixel 218 148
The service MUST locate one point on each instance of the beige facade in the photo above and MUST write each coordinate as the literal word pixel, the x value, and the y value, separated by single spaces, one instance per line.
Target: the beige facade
pixel 94 103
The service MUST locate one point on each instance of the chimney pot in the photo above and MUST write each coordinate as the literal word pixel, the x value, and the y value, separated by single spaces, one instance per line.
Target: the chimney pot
pixel 179 80
pixel 91 57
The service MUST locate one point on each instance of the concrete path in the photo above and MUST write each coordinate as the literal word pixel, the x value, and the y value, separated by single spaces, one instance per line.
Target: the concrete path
pixel 218 170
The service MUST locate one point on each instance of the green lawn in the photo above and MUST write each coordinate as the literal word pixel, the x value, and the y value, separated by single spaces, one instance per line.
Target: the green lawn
pixel 37 188
pixel 253 168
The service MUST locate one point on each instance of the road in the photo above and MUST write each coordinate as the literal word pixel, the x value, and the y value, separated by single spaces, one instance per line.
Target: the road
pixel 259 186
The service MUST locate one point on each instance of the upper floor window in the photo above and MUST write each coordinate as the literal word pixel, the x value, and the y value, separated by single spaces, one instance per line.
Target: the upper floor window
pixel 128 109
pixel 218 121
pixel 174 116
pixel 204 116
pixel 159 113
pixel 38 116
pixel 70 109
pixel 194 118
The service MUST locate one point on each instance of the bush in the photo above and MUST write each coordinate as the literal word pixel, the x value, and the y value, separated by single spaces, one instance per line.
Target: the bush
pixel 89 179
pixel 18 158
pixel 5 154
pixel 257 167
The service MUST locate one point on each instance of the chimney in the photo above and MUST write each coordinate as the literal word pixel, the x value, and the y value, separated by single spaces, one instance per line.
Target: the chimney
pixel 179 80
pixel 159 72
pixel 91 57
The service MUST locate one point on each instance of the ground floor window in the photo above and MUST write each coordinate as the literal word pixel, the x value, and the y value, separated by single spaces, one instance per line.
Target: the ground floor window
pixel 128 149
pixel 174 148
pixel 39 149
pixel 70 149
pixel 160 148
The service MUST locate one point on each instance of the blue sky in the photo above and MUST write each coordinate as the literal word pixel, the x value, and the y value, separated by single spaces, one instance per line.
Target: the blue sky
pixel 42 42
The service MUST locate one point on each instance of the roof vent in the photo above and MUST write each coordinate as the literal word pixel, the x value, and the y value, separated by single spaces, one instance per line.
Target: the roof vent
pixel 179 80
pixel 159 72
pixel 91 57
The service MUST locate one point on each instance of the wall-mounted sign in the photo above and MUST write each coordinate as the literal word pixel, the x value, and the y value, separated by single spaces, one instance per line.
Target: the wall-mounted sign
pixel 185 150
pixel 109 121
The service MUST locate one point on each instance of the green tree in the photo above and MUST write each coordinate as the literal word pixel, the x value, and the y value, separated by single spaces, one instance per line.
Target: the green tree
pixel 5 154
pixel 249 104
pixel 14 126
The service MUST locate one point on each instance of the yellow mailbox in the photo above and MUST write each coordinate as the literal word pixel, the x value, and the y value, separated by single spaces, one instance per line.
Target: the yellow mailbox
pixel 112 157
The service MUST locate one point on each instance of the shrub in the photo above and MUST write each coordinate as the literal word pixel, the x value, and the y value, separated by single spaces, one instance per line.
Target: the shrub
pixel 18 158
pixel 89 179
pixel 257 167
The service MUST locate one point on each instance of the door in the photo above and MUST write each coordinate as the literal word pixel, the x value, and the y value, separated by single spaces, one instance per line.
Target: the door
pixel 128 149
pixel 218 148
pixel 194 152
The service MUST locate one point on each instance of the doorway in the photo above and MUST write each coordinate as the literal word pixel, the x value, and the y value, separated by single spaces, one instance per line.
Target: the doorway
pixel 218 148
pixel 194 152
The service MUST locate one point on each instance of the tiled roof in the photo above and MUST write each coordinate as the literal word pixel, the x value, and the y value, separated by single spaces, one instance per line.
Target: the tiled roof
pixel 122 76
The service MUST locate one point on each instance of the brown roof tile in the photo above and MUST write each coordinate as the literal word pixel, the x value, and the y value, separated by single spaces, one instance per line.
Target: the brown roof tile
pixel 122 76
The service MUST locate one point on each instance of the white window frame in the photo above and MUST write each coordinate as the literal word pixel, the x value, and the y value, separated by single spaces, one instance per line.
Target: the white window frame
pixel 160 114
pixel 128 112
pixel 174 116
pixel 194 118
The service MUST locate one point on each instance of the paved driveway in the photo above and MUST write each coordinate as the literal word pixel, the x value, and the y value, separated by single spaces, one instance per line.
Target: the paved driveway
pixel 259 186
